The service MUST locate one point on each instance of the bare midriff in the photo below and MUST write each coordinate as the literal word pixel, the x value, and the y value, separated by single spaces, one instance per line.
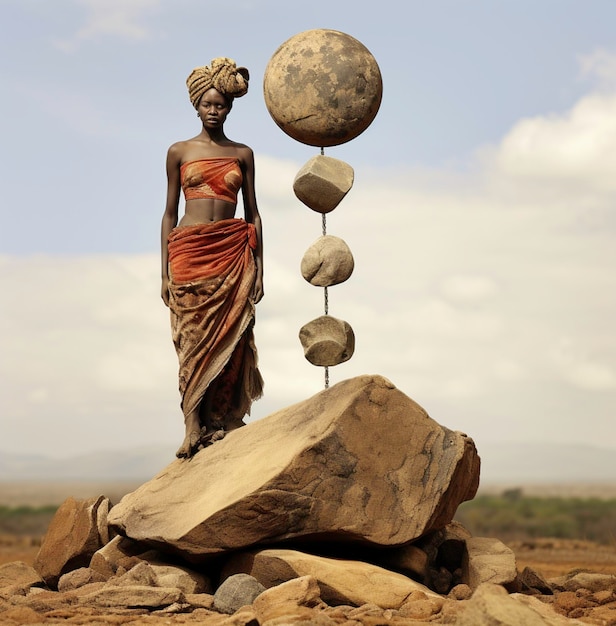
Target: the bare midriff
pixel 204 210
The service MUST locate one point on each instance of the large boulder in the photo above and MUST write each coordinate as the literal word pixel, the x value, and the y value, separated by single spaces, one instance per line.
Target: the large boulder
pixel 358 462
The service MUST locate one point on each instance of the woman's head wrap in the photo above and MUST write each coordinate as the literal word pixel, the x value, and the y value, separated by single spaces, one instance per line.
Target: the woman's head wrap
pixel 221 74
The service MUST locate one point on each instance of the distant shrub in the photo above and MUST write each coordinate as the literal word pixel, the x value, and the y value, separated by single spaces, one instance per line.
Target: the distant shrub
pixel 513 516
pixel 25 520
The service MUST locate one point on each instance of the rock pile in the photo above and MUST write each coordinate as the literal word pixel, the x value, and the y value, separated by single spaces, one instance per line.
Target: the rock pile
pixel 337 510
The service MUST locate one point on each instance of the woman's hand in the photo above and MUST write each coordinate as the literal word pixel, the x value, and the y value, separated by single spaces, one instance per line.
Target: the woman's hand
pixel 257 292
pixel 164 292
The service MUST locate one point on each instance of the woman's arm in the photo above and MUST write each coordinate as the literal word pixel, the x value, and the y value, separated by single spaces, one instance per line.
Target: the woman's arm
pixel 251 213
pixel 170 216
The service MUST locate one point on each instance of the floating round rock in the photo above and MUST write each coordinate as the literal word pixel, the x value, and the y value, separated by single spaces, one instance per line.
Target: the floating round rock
pixel 322 87
pixel 322 183
pixel 327 262
pixel 327 341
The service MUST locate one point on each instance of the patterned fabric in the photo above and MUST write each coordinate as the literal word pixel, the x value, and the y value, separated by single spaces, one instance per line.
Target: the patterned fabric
pixel 213 271
pixel 215 177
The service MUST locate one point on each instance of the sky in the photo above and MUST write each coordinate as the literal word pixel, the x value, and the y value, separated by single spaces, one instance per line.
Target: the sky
pixel 481 220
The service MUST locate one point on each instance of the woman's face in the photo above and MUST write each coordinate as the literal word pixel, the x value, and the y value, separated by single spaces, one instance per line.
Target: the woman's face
pixel 213 108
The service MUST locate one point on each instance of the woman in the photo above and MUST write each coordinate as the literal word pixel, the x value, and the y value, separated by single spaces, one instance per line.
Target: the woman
pixel 212 263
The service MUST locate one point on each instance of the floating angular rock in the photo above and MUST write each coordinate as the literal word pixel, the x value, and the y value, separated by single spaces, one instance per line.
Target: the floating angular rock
pixel 359 461
pixel 328 261
pixel 71 539
pixel 341 581
pixel 327 341
pixel 323 182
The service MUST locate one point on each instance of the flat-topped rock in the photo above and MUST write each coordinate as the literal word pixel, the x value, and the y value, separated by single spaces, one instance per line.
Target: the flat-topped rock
pixel 358 462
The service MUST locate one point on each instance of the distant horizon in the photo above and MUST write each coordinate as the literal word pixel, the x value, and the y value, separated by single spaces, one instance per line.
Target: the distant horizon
pixel 503 465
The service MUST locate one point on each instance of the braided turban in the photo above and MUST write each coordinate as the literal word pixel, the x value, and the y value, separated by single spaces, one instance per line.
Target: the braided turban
pixel 221 74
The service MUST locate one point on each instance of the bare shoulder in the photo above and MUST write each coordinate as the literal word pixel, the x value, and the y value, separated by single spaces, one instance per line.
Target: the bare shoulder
pixel 177 149
pixel 244 153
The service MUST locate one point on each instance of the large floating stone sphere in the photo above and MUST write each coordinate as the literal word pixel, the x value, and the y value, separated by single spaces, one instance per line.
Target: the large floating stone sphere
pixel 322 87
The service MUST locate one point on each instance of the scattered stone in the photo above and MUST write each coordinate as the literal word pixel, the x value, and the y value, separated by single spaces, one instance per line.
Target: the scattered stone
pixel 183 578
pixel 323 182
pixel 120 552
pixel 141 574
pixel 136 596
pixel 532 581
pixel 591 581
pixel 19 574
pixel 327 341
pixel 460 592
pixel 365 610
pixel 200 600
pixel 102 526
pixel 44 601
pixel 421 607
pixel 243 617
pixel 78 578
pixel 568 601
pixel 286 598
pixel 604 596
pixel 545 610
pixel 327 262
pixel 358 462
pixel 21 615
pixel 71 540
pixel 491 605
pixel 235 592
pixel 341 581
pixel 488 560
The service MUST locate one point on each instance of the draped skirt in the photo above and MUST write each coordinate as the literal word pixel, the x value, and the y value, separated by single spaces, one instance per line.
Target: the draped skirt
pixel 212 276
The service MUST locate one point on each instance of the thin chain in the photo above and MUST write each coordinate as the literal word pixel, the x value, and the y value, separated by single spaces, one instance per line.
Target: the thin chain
pixel 325 294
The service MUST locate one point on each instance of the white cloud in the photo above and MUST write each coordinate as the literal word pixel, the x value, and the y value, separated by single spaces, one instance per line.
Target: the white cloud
pixel 125 19
pixel 601 66
pixel 572 150
pixel 485 299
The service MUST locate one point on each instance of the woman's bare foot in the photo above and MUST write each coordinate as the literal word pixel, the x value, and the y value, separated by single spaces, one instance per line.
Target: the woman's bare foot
pixel 212 436
pixel 191 439
pixel 189 445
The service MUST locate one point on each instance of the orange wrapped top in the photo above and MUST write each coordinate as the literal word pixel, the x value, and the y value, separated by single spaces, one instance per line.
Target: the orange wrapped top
pixel 219 178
